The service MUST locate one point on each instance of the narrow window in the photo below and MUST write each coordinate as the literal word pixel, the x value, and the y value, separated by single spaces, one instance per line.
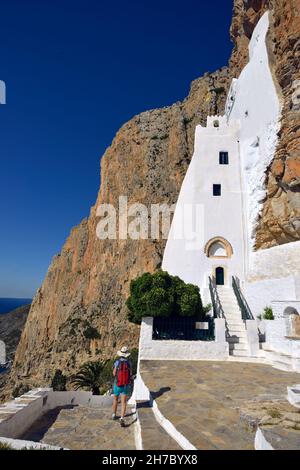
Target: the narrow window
pixel 216 123
pixel 217 190
pixel 223 158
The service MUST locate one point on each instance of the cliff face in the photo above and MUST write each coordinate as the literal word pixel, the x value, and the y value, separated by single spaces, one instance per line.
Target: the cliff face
pixel 87 283
pixel 11 327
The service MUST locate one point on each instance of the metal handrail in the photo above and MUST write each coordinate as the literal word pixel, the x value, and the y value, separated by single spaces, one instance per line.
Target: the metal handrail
pixel 217 306
pixel 244 307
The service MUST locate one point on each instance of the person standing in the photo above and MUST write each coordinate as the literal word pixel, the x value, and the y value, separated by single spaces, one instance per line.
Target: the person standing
pixel 122 373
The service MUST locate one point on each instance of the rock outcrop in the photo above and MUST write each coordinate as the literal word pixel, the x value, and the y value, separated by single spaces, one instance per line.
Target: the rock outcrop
pixel 11 327
pixel 87 283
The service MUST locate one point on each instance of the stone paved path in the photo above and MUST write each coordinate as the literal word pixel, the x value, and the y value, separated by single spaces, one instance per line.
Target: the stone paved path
pixel 83 428
pixel 154 437
pixel 39 428
pixel 203 398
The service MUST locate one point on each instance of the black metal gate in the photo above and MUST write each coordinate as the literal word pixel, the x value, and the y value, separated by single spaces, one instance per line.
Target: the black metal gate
pixel 182 328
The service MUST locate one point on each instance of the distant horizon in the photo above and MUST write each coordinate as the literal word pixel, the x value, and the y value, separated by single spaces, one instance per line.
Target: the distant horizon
pixel 9 304
pixel 15 298
pixel 67 95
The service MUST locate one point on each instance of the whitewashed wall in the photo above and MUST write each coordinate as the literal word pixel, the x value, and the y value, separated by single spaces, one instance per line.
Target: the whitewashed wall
pixel 277 262
pixel 279 307
pixel 276 340
pixel 256 105
pixel 213 216
pixel 263 293
pixel 150 349
pixel 274 275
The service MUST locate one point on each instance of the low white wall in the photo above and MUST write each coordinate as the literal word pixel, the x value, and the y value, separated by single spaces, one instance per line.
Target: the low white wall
pixel 276 340
pixel 262 293
pixel 18 444
pixel 261 442
pixel 18 415
pixel 277 262
pixel 293 395
pixel 182 350
pixel 279 307
pixel 252 337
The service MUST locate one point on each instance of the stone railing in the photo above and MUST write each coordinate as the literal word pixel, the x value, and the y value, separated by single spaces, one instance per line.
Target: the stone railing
pixel 17 416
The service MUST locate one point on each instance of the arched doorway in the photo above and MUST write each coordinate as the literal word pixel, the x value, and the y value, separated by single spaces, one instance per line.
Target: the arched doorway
pixel 218 247
pixel 220 276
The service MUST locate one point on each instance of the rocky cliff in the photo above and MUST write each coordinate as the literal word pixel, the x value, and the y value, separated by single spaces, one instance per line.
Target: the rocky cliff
pixel 87 283
pixel 11 327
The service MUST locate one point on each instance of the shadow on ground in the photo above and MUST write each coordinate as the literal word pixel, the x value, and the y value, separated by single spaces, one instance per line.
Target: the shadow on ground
pixel 40 427
pixel 160 392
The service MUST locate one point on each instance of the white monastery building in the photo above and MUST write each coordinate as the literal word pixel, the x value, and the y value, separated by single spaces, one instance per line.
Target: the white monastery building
pixel 211 240
pixel 225 185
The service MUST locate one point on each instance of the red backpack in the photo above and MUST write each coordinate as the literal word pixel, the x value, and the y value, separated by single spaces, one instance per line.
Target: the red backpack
pixel 123 374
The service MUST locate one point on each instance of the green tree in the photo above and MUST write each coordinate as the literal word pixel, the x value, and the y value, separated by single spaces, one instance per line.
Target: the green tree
pixel 268 314
pixel 90 376
pixel 20 390
pixel 59 381
pixel 162 295
pixel 91 333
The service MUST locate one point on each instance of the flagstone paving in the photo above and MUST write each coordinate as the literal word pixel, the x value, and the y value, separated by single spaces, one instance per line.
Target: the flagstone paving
pixel 204 399
pixel 84 428
pixel 154 437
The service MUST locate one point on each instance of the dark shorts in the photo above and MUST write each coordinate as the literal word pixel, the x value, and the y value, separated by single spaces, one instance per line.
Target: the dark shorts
pixel 123 390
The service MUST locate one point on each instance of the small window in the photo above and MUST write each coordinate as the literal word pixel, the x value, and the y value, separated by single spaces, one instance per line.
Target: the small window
pixel 216 123
pixel 217 190
pixel 223 158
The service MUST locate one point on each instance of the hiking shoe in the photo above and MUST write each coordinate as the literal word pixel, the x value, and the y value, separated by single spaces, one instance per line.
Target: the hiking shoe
pixel 114 417
pixel 122 422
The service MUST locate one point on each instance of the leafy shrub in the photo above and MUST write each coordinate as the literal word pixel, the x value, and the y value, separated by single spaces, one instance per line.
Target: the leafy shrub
pixel 274 413
pixel 20 390
pixel 5 446
pixel 134 360
pixel 162 295
pixel 207 308
pixel 187 120
pixel 91 333
pixel 268 314
pixel 59 381
pixel 219 90
pixel 97 376
pixel 90 376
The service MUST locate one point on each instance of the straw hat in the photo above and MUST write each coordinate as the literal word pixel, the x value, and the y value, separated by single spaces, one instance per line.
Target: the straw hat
pixel 124 352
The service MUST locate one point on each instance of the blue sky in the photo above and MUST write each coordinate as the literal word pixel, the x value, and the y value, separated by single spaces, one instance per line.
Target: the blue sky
pixel 75 71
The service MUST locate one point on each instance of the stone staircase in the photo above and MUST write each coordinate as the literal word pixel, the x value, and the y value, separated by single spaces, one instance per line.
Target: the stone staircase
pixel 236 330
pixel 280 360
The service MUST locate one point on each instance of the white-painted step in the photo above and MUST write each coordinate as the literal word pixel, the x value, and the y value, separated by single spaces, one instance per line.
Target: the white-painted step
pixel 238 346
pixel 240 353
pixel 235 340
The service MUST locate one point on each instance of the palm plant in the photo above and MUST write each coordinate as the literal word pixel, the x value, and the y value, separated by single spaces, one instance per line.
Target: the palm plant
pixel 89 376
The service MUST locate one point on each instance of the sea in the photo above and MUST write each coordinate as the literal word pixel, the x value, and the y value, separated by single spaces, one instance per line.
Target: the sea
pixel 7 305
